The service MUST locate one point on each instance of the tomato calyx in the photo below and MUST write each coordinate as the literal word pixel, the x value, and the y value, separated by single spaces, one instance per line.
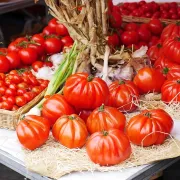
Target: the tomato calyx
pixel 90 78
pixel 178 23
pixel 105 133
pixel 159 46
pixel 51 36
pixel 177 39
pixel 72 117
pixel 165 70
pixel 148 114
pixel 101 108
pixel 121 82
pixel 2 53
pixel 178 81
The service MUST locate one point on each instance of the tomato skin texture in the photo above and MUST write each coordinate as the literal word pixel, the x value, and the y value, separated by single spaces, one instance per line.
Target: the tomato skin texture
pixel 101 144
pixel 13 59
pixel 131 27
pixel 4 64
pixel 6 105
pixel 142 128
pixel 70 131
pixel 33 131
pixel 53 24
pixel 84 114
pixel 53 45
pixel 28 55
pixel 172 30
pixel 20 101
pixel 129 37
pixel 55 107
pixel 122 95
pixel 67 40
pixel 171 48
pixel 155 26
pixel 170 90
pixel 38 38
pixel 113 40
pixel 61 30
pixel 144 34
pixel 146 80
pixel 38 48
pixel 48 31
pixel 115 19
pixel 37 65
pixel 10 92
pixel 84 92
pixel 105 118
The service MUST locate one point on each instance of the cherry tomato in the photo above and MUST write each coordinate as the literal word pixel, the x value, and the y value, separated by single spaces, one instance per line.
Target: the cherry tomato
pixel 6 105
pixel 48 31
pixel 29 96
pixel 21 39
pixel 113 40
pixel 154 41
pixel 38 38
pixel 13 59
pixel 14 108
pixel 37 65
pixel 2 76
pixel 53 24
pixel 16 79
pixel 13 86
pixel 20 101
pixel 22 85
pixel 4 98
pixel 10 92
pixel 37 89
pixel 53 45
pixel 28 55
pixel 13 72
pixel 33 80
pixel 2 90
pixel 4 64
pixel 155 26
pixel 21 91
pixel 48 63
pixel 131 27
pixel 129 38
pixel 2 83
pixel 61 30
pixel 67 40
pixel 11 100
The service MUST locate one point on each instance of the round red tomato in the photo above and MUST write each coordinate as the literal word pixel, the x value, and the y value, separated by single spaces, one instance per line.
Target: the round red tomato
pixel 123 95
pixel 144 34
pixel 38 48
pixel 13 59
pixel 33 131
pixel 38 38
pixel 29 95
pixel 6 105
pixel 113 40
pixel 37 65
pixel 20 101
pixel 115 19
pixel 55 107
pixel 48 31
pixel 154 41
pixel 21 91
pixel 149 80
pixel 53 24
pixel 86 92
pixel 101 144
pixel 10 92
pixel 70 131
pixel 4 64
pixel 149 127
pixel 11 100
pixel 28 55
pixel 129 37
pixel 155 26
pixel 67 40
pixel 61 30
pixel 53 45
pixel 105 118
pixel 131 27
pixel 2 90
pixel 170 91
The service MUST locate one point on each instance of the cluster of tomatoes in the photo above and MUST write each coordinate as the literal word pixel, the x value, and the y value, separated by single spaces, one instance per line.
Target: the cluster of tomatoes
pixel 151 10
pixel 17 89
pixel 146 34
pixel 24 51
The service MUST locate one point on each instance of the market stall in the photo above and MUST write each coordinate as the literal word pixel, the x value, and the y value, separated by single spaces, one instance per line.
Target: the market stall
pixel 95 94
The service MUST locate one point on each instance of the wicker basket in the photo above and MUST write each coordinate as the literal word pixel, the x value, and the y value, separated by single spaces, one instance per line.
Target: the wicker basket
pixel 10 119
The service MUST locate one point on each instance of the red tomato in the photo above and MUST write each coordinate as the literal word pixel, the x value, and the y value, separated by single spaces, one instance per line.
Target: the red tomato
pixel 37 89
pixel 67 40
pixel 28 55
pixel 10 92
pixel 33 131
pixel 155 26
pixel 76 128
pixel 115 19
pixel 149 127
pixel 154 41
pixel 2 76
pixel 48 63
pixel 129 37
pixel 144 34
pixel 2 83
pixel 4 64
pixel 2 90
pixel 16 79
pixel 3 51
pixel 20 101
pixel 11 100
pixel 53 45
pixel 172 72
pixel 48 31
pixel 131 27
pixel 113 40
pixel 13 47
pixel 33 80
pixel 84 114
pixel 38 48
pixel 38 38
pixel 21 91
pixel 6 105
pixel 13 59
pixel 13 86
pixel 14 108
pixel 14 72
pixel 37 65
pixel 21 39
pixel 53 24
pixel 108 147
pixel 81 89
pixel 146 80
pixel 123 95
pixel 61 30
pixel 29 96
pixel 23 85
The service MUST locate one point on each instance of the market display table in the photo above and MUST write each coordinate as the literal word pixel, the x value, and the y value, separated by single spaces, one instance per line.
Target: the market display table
pixel 11 155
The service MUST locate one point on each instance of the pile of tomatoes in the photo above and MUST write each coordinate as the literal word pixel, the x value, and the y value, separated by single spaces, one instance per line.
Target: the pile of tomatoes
pixel 151 10
pixel 17 89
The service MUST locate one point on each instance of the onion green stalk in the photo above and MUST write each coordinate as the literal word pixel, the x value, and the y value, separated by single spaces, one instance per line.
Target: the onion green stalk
pixel 65 69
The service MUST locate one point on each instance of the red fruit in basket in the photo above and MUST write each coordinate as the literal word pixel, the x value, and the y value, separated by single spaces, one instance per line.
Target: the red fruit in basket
pixel 11 100
pixel 29 95
pixel 141 43
pixel 67 40
pixel 148 15
pixel 61 30
pixel 113 40
pixel 174 16
pixel 14 108
pixel 37 65
pixel 6 105
pixel 4 64
pixel 129 37
pixel 155 26
pixel 156 15
pixel 20 101
pixel 144 34
pixel 115 19
pixel 21 91
pixel 52 24
pixel 33 131
pixel 154 41
pixel 165 15
pixel 131 27
pixel 2 90
pixel 10 92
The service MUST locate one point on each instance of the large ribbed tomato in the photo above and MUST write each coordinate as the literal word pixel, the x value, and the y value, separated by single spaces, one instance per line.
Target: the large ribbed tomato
pixel 105 118
pixel 171 49
pixel 149 127
pixel 86 92
pixel 33 131
pixel 149 80
pixel 108 147
pixel 170 90
pixel 155 52
pixel 55 107
pixel 70 131
pixel 170 31
pixel 123 94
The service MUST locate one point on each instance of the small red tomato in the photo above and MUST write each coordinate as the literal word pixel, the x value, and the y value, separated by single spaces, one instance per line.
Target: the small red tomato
pixel 53 24
pixel 61 30
pixel 154 41
pixel 37 89
pixel 20 101
pixel 67 40
pixel 13 86
pixel 4 64
pixel 14 108
pixel 155 26
pixel 21 91
pixel 2 76
pixel 144 34
pixel 37 65
pixel 6 105
pixel 11 99
pixel 129 37
pixel 2 90
pixel 38 48
pixel 16 79
pixel 29 96
pixel 131 27
pixel 14 72
pixel 113 40
pixel 2 83
pixel 48 31
pixel 4 98
pixel 10 92
pixel 23 85
pixel 48 63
